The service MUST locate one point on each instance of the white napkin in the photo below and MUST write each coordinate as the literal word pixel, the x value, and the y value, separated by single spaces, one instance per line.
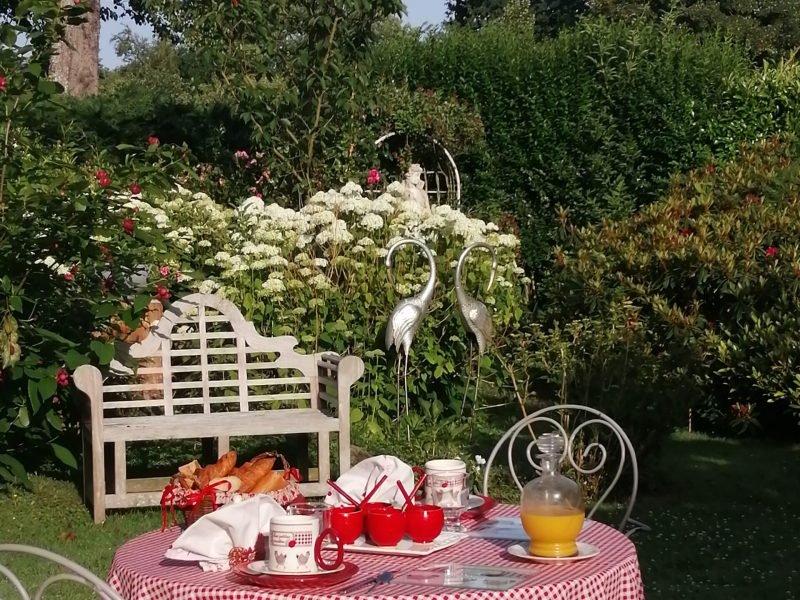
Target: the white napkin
pixel 362 478
pixel 210 538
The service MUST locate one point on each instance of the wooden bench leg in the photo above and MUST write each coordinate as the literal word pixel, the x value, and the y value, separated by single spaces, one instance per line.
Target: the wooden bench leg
pixel 223 445
pixel 324 454
pixel 98 482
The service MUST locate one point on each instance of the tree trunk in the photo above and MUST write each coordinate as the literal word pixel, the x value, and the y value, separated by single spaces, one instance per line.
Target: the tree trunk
pixel 76 66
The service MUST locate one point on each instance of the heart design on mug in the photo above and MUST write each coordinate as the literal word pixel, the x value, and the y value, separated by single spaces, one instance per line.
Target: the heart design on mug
pixel 292 543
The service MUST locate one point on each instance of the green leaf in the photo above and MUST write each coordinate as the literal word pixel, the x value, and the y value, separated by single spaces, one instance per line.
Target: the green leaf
pixel 23 420
pixel 141 302
pixel 33 394
pixel 54 420
pixel 105 352
pixel 15 302
pixel 356 415
pixel 55 337
pixel 75 359
pixel 65 456
pixel 47 388
pixel 16 467
pixel 102 311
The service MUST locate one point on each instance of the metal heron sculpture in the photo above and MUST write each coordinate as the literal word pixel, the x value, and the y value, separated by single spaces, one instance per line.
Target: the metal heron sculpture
pixel 409 313
pixel 477 318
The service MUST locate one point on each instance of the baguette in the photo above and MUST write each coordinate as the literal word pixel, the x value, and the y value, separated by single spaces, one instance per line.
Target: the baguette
pixel 221 468
pixel 251 475
pixel 271 482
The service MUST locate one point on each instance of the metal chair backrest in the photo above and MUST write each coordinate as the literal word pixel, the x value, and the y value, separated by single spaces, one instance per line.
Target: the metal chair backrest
pixel 555 417
pixel 74 572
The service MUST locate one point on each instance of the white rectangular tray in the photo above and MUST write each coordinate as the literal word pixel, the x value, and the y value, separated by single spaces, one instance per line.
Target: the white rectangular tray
pixel 406 547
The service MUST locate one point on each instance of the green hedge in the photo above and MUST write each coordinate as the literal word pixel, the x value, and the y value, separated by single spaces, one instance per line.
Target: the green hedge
pixel 595 120
pixel 709 277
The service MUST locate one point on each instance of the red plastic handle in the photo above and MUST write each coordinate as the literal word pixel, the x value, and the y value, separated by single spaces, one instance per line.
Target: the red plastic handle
pixel 422 475
pixel 326 566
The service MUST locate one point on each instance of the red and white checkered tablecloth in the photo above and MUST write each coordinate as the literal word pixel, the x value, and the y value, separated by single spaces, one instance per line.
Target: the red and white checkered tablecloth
pixel 140 572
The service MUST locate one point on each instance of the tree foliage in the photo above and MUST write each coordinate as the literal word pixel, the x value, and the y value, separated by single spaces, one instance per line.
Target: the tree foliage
pixel 291 71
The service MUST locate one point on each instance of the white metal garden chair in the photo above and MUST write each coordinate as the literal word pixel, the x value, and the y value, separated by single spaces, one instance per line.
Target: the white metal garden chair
pixel 572 421
pixel 74 572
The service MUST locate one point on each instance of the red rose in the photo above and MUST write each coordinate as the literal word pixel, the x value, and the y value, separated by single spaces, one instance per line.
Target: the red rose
pixel 3 84
pixel 162 293
pixel 135 188
pixel 128 225
pixel 153 141
pixel 771 251
pixel 62 377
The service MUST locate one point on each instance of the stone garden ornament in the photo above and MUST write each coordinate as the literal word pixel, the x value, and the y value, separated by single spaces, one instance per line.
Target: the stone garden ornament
pixel 408 314
pixel 476 317
pixel 414 189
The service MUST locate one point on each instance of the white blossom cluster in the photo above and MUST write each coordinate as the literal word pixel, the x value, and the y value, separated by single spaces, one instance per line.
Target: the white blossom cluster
pixel 336 234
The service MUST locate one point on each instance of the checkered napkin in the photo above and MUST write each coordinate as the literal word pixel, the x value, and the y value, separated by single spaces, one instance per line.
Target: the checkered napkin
pixel 211 538
pixel 362 478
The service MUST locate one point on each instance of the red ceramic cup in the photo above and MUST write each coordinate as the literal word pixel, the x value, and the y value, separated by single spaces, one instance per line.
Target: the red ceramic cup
pixel 424 522
pixel 386 527
pixel 348 522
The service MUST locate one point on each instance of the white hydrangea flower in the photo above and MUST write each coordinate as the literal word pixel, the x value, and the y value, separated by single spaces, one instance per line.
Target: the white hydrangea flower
pixel 320 262
pixel 277 275
pixel 277 261
pixel 325 217
pixel 383 205
pixel 372 222
pixel 204 244
pixel 273 286
pixel 365 241
pixel 208 286
pixel 396 188
pixel 352 189
pixel 320 282
pixel 306 272
pixel 253 204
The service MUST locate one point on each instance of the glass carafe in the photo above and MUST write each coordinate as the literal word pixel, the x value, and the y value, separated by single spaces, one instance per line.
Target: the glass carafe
pixel 552 509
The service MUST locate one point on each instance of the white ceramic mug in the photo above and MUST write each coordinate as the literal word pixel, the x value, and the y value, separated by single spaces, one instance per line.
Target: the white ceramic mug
pixel 444 482
pixel 295 545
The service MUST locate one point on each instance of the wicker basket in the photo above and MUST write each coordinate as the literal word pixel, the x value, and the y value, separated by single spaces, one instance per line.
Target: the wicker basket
pixel 209 501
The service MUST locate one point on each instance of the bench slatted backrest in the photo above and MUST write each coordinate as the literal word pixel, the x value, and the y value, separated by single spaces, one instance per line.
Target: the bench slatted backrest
pixel 203 357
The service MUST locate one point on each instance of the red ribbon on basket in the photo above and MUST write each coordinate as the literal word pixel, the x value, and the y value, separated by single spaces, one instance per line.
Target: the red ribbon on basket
pixel 189 499
pixel 292 472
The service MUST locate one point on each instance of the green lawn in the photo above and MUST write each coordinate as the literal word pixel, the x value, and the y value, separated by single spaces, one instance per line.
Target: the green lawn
pixel 724 519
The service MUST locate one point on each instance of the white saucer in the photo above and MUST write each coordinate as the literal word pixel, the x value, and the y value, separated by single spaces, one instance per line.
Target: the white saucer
pixel 261 567
pixel 475 502
pixel 584 551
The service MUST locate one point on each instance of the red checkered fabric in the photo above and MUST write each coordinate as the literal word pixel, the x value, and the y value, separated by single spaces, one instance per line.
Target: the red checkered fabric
pixel 140 572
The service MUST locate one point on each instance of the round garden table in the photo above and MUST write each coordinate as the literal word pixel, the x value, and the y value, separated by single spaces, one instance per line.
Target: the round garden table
pixel 140 572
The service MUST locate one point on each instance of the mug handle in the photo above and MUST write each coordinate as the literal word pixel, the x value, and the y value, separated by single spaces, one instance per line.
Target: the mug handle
pixel 421 473
pixel 326 566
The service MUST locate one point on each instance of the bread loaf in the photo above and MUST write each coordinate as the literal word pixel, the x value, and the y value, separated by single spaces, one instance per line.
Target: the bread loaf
pixel 221 468
pixel 251 475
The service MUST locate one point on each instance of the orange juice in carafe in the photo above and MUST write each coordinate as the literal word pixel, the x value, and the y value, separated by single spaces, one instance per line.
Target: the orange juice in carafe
pixel 551 508
pixel 552 531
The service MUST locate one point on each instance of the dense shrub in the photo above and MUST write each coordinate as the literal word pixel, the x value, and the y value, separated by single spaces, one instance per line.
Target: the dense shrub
pixel 711 277
pixel 597 119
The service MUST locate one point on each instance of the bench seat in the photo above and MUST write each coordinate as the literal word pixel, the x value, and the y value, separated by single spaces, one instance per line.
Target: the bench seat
pixel 175 427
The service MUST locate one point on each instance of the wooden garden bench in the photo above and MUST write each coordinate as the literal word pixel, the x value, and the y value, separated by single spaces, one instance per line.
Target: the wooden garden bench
pixel 204 372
